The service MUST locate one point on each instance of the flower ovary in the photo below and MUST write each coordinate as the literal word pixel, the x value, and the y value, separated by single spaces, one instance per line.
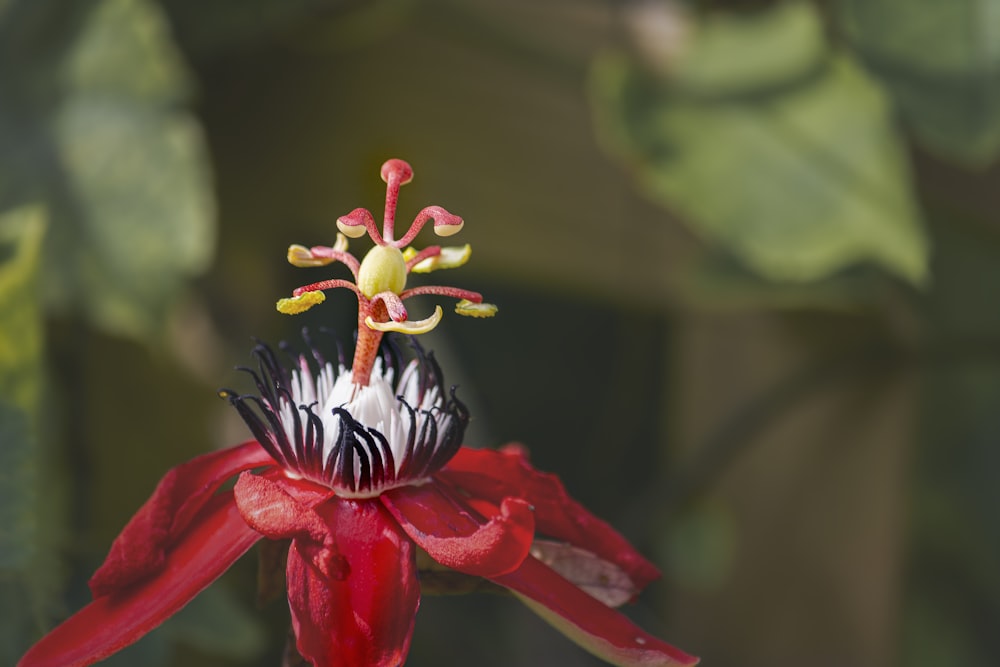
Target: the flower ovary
pixel 382 270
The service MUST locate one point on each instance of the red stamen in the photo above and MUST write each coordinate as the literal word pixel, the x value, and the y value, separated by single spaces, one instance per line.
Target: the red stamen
pixel 395 173
pixel 360 217
pixel 345 258
pixel 443 290
pixel 329 284
pixel 441 217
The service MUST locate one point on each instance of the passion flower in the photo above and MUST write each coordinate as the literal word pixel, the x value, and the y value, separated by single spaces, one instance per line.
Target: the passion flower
pixel 362 470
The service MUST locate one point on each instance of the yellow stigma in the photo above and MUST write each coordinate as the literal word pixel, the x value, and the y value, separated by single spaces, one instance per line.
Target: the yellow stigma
pixel 470 309
pixel 417 327
pixel 302 256
pixel 301 303
pixel 382 270
pixel 449 258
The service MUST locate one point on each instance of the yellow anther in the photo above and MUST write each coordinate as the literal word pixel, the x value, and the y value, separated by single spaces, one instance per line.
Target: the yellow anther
pixel 354 231
pixel 382 270
pixel 449 230
pixel 450 258
pixel 301 303
pixel 418 327
pixel 301 256
pixel 471 309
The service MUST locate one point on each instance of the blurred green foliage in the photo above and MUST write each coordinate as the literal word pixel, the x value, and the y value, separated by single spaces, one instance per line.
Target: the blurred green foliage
pixel 745 255
pixel 941 63
pixel 91 129
pixel 795 135
pixel 30 576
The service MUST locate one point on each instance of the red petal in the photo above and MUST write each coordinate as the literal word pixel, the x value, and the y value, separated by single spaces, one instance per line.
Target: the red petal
pixel 456 537
pixel 495 475
pixel 597 628
pixel 214 539
pixel 354 601
pixel 140 549
pixel 278 507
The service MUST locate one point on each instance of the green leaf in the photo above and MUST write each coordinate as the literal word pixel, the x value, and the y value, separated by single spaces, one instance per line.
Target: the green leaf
pixel 21 232
pixel 136 168
pixel 95 129
pixel 144 224
pixel 751 53
pixel 941 62
pixel 29 577
pixel 797 181
pixel 123 50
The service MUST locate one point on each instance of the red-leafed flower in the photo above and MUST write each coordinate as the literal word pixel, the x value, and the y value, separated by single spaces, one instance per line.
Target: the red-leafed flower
pixel 361 469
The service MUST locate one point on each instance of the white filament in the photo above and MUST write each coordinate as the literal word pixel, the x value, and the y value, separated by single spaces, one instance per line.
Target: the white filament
pixel 374 405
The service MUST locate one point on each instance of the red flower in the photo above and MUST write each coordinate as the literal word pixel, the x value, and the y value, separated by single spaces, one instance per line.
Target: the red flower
pixel 355 515
pixel 358 468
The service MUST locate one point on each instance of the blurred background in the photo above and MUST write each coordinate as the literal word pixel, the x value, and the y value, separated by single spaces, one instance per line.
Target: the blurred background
pixel 746 253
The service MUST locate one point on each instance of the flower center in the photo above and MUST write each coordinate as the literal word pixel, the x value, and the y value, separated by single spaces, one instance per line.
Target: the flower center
pixel 360 441
pixel 380 279
pixel 382 270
